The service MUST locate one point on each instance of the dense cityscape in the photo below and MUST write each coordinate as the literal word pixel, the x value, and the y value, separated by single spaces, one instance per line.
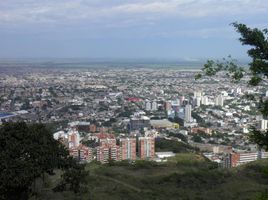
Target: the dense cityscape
pixel 117 113
pixel 133 100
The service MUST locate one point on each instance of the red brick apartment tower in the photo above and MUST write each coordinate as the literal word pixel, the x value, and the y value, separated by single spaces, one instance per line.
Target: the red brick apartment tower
pixel 128 148
pixel 235 157
pixel 81 153
pixel 73 140
pixel 146 148
pixel 102 154
pixel 108 150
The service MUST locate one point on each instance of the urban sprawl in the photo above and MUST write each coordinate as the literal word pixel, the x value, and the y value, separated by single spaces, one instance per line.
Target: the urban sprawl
pixel 114 114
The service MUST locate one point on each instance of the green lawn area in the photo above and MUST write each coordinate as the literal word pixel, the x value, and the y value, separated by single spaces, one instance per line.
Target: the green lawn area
pixel 187 157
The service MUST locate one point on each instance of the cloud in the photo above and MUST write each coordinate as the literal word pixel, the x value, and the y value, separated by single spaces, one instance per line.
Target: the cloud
pixel 72 11
pixel 223 32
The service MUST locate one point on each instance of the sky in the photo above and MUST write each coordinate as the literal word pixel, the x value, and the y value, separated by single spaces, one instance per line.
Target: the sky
pixel 189 30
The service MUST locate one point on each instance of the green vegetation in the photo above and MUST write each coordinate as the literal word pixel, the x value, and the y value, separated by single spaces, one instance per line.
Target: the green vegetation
pixel 197 138
pixel 35 166
pixel 199 119
pixel 177 135
pixel 29 153
pixel 258 71
pixel 172 145
pixel 186 176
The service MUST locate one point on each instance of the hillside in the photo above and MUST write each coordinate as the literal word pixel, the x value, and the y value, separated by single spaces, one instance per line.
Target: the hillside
pixel 188 176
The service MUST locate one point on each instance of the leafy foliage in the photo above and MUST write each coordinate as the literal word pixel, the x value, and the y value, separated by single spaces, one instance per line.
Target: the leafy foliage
pixel 73 179
pixel 256 38
pixel 26 153
pixel 172 145
pixel 259 137
pixel 258 71
pixel 229 66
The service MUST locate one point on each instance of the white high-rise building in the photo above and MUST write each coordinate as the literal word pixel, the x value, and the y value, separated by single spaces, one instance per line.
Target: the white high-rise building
pixel 182 98
pixel 188 113
pixel 197 101
pixel 219 100
pixel 148 105
pixel 204 100
pixel 154 105
pixel 264 124
pixel 168 106
pixel 197 94
pixel 151 106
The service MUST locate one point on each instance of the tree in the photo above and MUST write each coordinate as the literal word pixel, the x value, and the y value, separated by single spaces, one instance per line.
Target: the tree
pixel 26 153
pixel 74 179
pixel 197 138
pixel 258 71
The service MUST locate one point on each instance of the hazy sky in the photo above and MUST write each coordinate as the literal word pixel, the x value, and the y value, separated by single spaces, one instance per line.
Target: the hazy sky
pixel 186 29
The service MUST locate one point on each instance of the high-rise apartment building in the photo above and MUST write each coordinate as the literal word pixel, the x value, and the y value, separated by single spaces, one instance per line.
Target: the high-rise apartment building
pixel 182 98
pixel 151 105
pixel 148 105
pixel 146 148
pixel 154 106
pixel 219 100
pixel 128 148
pixel 188 113
pixel 73 139
pixel 82 153
pixel 103 154
pixel 108 150
pixel 264 124
pixel 197 101
pixel 204 100
pixel 197 94
pixel 168 105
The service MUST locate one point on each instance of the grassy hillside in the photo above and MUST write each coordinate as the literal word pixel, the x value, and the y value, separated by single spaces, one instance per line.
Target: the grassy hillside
pixel 187 176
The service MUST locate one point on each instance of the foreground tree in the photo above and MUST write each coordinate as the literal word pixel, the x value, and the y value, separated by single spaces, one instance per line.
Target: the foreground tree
pixel 26 153
pixel 258 71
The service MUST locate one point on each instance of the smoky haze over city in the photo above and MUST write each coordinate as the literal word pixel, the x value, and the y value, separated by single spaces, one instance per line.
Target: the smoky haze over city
pixel 140 99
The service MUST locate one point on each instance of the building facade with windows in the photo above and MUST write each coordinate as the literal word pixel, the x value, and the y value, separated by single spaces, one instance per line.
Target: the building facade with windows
pixel 146 148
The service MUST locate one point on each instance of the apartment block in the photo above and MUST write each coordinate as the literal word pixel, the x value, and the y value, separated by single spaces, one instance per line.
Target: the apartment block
pixel 235 159
pixel 102 154
pixel 146 148
pixel 128 148
pixel 81 153
pixel 108 150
